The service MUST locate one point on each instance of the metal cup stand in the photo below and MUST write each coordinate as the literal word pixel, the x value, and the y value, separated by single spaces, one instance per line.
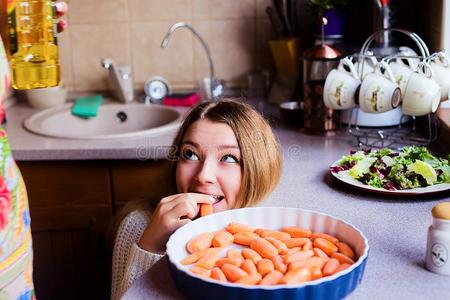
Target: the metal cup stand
pixel 397 136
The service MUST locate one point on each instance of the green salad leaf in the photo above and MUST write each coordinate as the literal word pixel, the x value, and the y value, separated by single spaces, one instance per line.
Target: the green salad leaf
pixel 349 159
pixel 362 167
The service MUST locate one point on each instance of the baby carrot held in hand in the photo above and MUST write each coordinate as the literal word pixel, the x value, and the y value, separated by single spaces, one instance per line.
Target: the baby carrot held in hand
pixel 205 209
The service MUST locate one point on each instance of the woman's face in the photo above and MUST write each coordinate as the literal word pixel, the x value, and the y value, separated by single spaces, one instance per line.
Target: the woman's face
pixel 210 163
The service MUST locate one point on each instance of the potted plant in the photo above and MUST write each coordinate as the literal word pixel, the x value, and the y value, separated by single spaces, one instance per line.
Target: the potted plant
pixel 334 12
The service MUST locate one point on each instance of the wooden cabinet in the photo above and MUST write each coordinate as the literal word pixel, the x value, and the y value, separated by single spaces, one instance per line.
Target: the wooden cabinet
pixel 134 180
pixel 72 204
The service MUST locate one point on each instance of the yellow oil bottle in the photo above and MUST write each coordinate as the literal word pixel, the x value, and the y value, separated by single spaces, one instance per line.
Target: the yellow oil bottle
pixel 33 45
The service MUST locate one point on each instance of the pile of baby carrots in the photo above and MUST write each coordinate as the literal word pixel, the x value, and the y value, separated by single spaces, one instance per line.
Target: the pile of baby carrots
pixel 287 256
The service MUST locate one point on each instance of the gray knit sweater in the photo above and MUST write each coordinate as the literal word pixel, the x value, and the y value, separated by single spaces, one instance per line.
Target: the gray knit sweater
pixel 129 260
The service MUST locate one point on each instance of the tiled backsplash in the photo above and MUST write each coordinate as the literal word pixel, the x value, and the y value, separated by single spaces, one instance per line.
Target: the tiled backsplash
pixel 130 32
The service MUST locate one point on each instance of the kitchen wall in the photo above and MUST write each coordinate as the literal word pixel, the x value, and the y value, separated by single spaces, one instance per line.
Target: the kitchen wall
pixel 130 32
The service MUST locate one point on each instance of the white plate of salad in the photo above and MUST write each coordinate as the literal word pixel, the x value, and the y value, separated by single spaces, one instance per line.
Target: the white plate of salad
pixel 411 171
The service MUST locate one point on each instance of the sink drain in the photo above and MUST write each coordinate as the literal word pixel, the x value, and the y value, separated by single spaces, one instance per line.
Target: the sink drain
pixel 122 116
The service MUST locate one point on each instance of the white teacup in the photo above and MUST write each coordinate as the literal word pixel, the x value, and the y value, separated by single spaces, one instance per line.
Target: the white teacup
pixel 402 72
pixel 422 95
pixel 440 63
pixel 414 59
pixel 379 93
pixel 341 85
pixel 366 66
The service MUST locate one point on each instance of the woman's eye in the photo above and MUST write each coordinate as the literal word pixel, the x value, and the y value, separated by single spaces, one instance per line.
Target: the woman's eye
pixel 190 155
pixel 229 158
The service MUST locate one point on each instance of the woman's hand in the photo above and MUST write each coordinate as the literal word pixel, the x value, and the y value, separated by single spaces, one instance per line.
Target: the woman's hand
pixel 60 7
pixel 171 213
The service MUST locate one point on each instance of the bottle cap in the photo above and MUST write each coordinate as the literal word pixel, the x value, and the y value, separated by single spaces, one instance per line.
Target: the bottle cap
pixel 441 211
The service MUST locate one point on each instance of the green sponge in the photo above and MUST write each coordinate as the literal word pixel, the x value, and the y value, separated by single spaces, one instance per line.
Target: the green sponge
pixel 86 107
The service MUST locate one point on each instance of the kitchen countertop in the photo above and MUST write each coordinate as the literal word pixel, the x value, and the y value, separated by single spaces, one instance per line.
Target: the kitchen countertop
pixel 396 227
pixel 27 146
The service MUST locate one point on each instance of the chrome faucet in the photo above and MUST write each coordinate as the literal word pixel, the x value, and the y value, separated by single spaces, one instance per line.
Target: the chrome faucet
pixel 212 86
pixel 122 80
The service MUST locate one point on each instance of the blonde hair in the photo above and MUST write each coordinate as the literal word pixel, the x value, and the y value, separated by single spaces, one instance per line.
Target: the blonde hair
pixel 260 151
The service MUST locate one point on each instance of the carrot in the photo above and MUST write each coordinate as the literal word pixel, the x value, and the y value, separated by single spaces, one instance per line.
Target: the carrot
pixel 297 231
pixel 293 250
pixel 200 271
pixel 249 266
pixel 309 263
pixel 220 262
pixel 264 248
pixel 251 254
pixel 244 237
pixel 295 242
pixel 308 245
pixel 328 237
pixel 281 247
pixel 279 264
pixel 235 227
pixel 325 245
pixel 236 256
pixel 250 279
pixel 316 273
pixel 272 278
pixel 205 209
pixel 222 239
pixel 200 242
pixel 274 234
pixel 342 267
pixel 318 252
pixel 258 231
pixel 345 249
pixel 232 272
pixel 330 267
pixel 216 273
pixel 296 276
pixel 300 255
pixel 208 261
pixel 194 257
pixel 342 258
pixel 315 261
pixel 264 266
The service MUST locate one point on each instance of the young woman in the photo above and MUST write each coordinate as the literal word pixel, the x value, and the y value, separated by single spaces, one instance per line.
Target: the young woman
pixel 224 154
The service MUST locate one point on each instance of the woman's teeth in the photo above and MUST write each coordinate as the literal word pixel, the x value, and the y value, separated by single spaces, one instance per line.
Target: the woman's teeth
pixel 217 198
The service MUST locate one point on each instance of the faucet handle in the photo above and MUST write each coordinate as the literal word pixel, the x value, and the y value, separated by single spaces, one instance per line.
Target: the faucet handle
pixel 121 78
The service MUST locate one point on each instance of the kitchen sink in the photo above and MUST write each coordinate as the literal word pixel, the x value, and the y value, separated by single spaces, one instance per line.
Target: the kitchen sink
pixel 112 121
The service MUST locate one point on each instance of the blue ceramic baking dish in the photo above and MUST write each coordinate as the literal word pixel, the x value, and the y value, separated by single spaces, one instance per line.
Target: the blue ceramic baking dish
pixel 336 286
